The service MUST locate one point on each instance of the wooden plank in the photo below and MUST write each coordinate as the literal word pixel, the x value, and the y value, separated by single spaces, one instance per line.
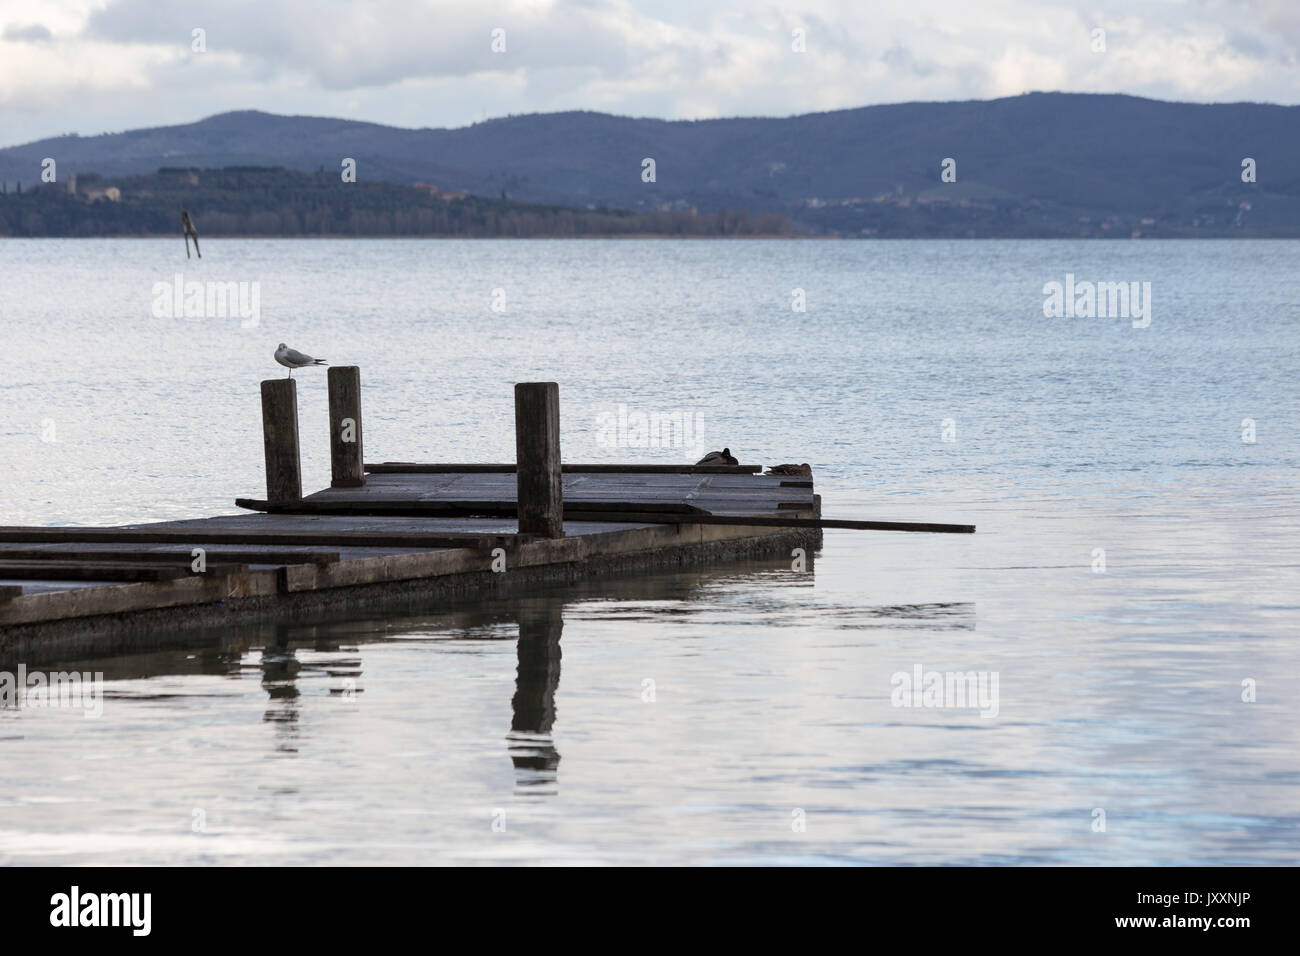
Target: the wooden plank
pixel 796 484
pixel 346 468
pixel 499 502
pixel 668 507
pixel 337 538
pixel 503 486
pixel 604 538
pixel 103 571
pixel 466 468
pixel 767 521
pixel 594 491
pixel 540 488
pixel 280 439
pixel 76 571
pixel 633 468
pixel 423 508
pixel 608 539
pixel 76 601
pixel 183 557
pixel 297 577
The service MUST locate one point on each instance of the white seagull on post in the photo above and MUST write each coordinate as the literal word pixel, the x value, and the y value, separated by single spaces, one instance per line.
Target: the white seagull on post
pixel 292 359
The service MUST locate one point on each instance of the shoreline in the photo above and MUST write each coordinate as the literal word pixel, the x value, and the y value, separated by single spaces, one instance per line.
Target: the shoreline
pixel 643 236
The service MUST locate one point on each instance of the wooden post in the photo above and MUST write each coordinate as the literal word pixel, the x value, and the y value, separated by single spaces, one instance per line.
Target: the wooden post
pixel 280 439
pixel 537 459
pixel 346 468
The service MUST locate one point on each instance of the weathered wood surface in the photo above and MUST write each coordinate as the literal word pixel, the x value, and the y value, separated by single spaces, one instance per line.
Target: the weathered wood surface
pixel 470 509
pixel 766 521
pixel 537 452
pixel 605 513
pixel 86 601
pixel 102 571
pixel 584 541
pixel 391 532
pixel 346 458
pixel 717 494
pixel 468 468
pixel 227 532
pixel 78 552
pixel 280 439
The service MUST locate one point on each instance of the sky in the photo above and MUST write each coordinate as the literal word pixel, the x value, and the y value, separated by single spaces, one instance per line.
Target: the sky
pixel 93 66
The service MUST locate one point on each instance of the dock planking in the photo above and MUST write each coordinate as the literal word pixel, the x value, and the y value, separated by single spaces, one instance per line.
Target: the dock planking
pixel 216 531
pixel 92 552
pixel 463 468
pixel 396 529
pixel 716 493
pixel 399 557
pixel 95 545
pixel 82 570
pixel 342 550
pixel 464 509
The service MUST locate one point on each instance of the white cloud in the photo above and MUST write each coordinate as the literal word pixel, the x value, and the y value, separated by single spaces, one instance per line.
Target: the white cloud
pixel 95 64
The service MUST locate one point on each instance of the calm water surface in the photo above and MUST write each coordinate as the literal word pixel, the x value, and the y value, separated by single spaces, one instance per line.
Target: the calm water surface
pixel 522 731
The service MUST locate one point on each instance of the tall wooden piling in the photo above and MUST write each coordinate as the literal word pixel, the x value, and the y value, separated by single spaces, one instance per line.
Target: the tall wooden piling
pixel 280 440
pixel 537 459
pixel 346 468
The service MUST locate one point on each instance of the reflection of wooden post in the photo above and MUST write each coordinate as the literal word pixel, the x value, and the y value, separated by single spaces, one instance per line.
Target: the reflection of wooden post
pixel 280 440
pixel 537 459
pixel 540 624
pixel 346 468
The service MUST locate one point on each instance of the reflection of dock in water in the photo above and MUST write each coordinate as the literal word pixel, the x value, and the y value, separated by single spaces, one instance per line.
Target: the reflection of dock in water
pixel 280 670
pixel 533 707
pixel 293 661
pixel 322 656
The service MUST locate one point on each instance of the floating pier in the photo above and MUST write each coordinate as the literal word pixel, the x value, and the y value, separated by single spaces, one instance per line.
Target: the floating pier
pixel 395 531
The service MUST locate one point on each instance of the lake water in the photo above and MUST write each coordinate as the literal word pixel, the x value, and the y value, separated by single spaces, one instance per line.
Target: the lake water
pixel 739 714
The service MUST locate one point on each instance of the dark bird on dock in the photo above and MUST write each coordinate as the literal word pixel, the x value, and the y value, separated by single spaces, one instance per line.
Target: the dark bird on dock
pixel 718 458
pixel 791 471
pixel 187 224
pixel 292 359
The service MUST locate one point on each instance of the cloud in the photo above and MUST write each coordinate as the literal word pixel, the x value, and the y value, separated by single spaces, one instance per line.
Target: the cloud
pixel 32 33
pixel 84 64
pixel 899 59
pixel 342 44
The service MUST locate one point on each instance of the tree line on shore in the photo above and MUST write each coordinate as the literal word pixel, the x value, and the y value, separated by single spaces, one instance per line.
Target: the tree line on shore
pixel 273 201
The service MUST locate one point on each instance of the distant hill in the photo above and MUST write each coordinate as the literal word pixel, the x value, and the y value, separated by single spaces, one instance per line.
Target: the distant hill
pixel 1039 164
pixel 274 201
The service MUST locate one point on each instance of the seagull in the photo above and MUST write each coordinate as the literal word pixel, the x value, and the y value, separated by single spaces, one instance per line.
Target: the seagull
pixel 718 458
pixel 292 358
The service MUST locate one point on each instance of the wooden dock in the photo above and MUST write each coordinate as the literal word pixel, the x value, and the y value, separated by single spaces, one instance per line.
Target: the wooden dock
pixel 381 532
pixel 259 566
pixel 390 532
